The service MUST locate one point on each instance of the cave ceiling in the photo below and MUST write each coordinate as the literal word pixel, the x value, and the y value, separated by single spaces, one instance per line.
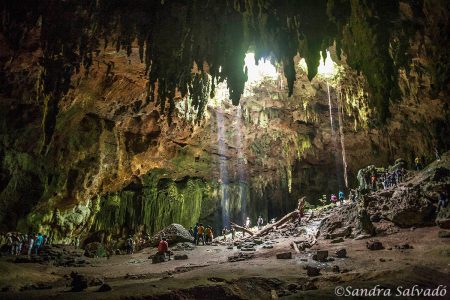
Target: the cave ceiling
pixel 175 36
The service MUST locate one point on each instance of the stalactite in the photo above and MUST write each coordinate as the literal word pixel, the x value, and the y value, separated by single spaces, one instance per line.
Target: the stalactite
pixel 218 33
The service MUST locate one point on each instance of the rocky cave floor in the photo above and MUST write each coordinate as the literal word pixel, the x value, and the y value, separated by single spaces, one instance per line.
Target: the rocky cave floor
pixel 208 275
pixel 267 267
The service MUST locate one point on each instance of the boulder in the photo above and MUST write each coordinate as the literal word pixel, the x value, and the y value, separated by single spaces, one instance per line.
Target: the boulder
pixel 363 223
pixel 95 281
pixel 79 282
pixel 104 288
pixel 403 247
pixel 443 218
pixel 321 255
pixel 374 245
pixel 240 257
pixel 309 285
pixel 338 240
pixel 312 271
pixel 180 257
pixel 174 233
pixel 343 232
pixel 341 253
pixel 158 258
pixel 284 255
pixel 340 222
pixel 95 249
pixel 336 269
pixel 408 207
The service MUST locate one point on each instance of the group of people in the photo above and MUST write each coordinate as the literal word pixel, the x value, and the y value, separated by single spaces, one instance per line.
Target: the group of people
pixel 226 231
pixel 390 179
pixel 17 243
pixel 334 199
pixel 133 244
pixel 205 234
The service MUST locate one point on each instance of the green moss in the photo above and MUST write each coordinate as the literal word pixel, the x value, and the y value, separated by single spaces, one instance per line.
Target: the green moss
pixel 158 204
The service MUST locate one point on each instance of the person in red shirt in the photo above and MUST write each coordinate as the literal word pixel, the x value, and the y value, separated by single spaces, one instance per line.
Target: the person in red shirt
pixel 163 248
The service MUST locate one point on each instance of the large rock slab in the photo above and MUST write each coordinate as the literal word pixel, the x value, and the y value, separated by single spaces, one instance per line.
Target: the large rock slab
pixel 321 255
pixel 174 233
pixel 409 207
pixel 284 255
pixel 443 218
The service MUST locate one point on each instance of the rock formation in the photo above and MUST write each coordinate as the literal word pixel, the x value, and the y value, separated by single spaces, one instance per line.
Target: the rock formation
pixel 89 154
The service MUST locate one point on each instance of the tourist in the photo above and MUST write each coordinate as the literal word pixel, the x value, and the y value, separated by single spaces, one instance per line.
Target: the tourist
pixel 247 223
pixel 23 241
pixel 163 248
pixel 333 198
pixel 442 201
pixel 398 174
pixel 260 222
pixel 233 233
pixel 353 194
pixel 30 243
pixel 209 235
pixel 341 197
pixel 373 180
pixel 195 234
pixel 201 231
pixel 38 243
pixel 16 243
pixel 9 243
pixel 224 233
pixel 418 163
pixel 436 154
pixel 129 245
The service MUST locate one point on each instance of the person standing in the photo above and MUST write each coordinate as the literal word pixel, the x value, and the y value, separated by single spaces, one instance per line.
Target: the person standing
pixel 442 201
pixel 436 153
pixel 333 199
pixel 247 223
pixel 209 235
pixel 195 234
pixel 373 180
pixel 233 233
pixel 130 245
pixel 260 222
pixel 38 243
pixel 16 243
pixel 341 197
pixel 30 244
pixel 418 163
pixel 9 243
pixel 201 232
pixel 224 233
